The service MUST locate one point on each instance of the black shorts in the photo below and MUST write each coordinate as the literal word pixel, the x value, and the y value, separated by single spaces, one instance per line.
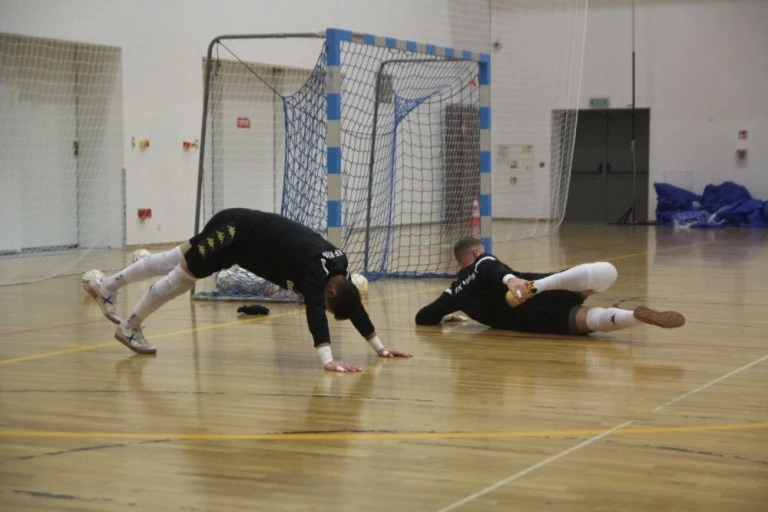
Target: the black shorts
pixel 216 246
pixel 551 312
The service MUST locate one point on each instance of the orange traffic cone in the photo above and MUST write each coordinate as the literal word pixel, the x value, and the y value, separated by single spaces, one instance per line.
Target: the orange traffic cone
pixel 474 220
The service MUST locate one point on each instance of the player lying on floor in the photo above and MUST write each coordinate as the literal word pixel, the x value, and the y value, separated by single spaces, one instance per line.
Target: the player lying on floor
pixel 269 245
pixel 491 293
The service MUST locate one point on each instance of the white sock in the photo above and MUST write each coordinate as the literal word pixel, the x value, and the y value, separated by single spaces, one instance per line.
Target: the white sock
pixel 166 288
pixel 149 266
pixel 589 276
pixel 610 319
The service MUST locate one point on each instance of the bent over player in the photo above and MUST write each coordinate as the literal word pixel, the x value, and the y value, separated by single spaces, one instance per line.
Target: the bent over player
pixel 269 245
pixel 540 303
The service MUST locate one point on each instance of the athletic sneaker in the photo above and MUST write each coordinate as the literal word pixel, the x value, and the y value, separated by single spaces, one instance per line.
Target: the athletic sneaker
pixel 665 319
pixel 134 339
pixel 105 301
pixel 513 300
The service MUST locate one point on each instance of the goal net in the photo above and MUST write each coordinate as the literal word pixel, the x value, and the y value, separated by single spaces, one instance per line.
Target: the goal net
pixel 536 48
pixel 61 184
pixel 379 146
pixel 537 53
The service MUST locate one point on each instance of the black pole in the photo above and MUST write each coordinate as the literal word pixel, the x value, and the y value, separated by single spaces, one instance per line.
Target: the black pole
pixel 200 166
pixel 629 217
pixel 201 161
pixel 633 146
pixel 206 94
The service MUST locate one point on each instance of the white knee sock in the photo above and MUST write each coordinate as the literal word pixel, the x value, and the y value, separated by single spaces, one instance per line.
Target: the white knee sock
pixel 149 266
pixel 610 319
pixel 589 276
pixel 166 288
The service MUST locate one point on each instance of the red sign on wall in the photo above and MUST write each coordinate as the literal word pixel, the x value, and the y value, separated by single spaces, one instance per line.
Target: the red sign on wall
pixel 243 122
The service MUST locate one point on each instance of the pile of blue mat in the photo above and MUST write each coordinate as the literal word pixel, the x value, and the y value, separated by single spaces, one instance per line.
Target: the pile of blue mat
pixel 727 204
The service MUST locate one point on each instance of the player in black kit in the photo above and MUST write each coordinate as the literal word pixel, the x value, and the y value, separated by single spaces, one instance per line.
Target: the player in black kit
pixel 542 303
pixel 269 245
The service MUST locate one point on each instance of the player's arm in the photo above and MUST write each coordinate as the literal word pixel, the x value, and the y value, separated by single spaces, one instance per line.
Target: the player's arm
pixel 317 321
pixel 531 276
pixel 492 268
pixel 499 271
pixel 337 265
pixel 440 310
pixel 523 283
pixel 313 289
pixel 364 326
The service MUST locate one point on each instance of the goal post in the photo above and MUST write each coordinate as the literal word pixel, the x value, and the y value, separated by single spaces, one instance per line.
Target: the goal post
pixel 383 145
pixel 204 162
pixel 408 55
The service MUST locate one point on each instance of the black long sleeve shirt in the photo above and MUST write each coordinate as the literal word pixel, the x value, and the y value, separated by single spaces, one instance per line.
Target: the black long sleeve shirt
pixel 479 292
pixel 294 257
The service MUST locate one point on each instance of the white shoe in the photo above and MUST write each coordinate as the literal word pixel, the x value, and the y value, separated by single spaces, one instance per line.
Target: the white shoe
pixel 134 339
pixel 105 301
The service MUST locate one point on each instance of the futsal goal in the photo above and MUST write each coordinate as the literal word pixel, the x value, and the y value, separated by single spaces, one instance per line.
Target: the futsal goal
pixel 383 146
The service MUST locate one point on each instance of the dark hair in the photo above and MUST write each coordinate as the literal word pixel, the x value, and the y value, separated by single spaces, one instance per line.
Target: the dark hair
pixel 464 245
pixel 347 300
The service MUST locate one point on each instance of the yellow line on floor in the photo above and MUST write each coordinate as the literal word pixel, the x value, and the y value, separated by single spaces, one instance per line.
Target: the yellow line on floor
pixel 377 436
pixel 83 348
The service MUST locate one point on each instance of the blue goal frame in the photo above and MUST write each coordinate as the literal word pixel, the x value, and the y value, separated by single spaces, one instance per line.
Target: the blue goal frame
pixel 333 39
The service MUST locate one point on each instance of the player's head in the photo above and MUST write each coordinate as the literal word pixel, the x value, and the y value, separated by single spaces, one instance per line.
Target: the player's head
pixel 342 298
pixel 467 249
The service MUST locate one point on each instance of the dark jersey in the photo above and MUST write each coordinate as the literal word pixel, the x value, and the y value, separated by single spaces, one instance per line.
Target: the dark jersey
pixel 479 292
pixel 280 250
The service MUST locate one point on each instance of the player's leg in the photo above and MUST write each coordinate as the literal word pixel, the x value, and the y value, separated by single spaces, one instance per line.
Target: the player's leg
pixel 105 290
pixel 587 278
pixel 207 253
pixel 156 264
pixel 550 312
pixel 595 319
pixel 175 283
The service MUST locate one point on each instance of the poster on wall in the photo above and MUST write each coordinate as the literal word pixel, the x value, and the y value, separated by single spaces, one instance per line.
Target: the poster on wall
pixel 514 157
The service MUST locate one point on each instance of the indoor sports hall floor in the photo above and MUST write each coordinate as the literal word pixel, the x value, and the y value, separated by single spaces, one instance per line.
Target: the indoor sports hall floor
pixel 236 414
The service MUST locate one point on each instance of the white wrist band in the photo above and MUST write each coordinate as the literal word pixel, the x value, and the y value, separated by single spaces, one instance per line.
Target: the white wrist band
pixel 325 354
pixel 376 344
pixel 507 277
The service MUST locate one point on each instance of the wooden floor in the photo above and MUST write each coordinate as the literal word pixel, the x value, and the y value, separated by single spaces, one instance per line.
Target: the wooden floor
pixel 236 414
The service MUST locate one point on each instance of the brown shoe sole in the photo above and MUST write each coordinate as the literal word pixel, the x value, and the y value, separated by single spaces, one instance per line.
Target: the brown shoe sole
pixel 664 319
